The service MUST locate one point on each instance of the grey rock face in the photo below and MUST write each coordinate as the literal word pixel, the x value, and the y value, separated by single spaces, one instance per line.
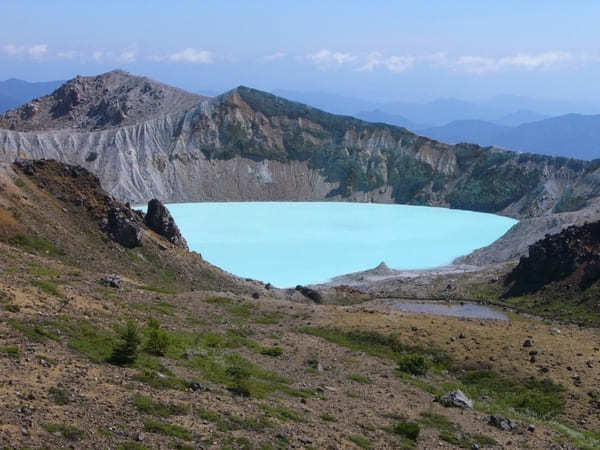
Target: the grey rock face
pixel 456 399
pixel 159 219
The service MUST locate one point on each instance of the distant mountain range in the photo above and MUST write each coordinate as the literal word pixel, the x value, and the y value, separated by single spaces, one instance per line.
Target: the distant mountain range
pixel 505 121
pixel 14 92
pixel 572 135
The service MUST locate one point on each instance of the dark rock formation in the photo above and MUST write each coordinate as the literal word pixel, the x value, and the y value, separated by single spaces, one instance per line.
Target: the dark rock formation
pixel 122 229
pixel 315 296
pixel 159 219
pixel 501 422
pixel 571 256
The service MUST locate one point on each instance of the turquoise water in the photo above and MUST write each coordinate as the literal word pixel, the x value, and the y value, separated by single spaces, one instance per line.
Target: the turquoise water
pixel 290 243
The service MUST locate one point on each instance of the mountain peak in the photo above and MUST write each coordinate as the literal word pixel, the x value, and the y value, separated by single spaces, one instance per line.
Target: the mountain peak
pixel 111 99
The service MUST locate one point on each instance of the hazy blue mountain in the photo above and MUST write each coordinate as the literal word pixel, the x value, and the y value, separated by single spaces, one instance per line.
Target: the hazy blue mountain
pixel 378 115
pixel 519 117
pixel 571 135
pixel 14 92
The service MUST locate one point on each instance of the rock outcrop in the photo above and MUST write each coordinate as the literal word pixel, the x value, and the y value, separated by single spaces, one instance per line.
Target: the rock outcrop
pixel 570 258
pixel 159 219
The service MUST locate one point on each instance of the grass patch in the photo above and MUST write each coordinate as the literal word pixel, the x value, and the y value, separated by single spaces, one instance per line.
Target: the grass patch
pixel 42 271
pixel 218 300
pixel 359 440
pixel 66 431
pixel 167 429
pixel 360 379
pixel 452 433
pixel 155 408
pixel 94 342
pixel 282 413
pixel 466 440
pixel 10 350
pixel 131 445
pixel 326 417
pixel 34 244
pixel 383 346
pixel 48 287
pixel 239 375
pixel 543 399
pixel 35 332
pixel 229 422
pixel 272 351
pixel 158 289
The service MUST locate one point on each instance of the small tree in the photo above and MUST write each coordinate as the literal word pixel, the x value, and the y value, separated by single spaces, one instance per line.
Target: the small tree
pixel 158 340
pixel 126 351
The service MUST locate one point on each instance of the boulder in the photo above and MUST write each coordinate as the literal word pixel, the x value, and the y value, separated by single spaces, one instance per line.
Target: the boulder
pixel 112 280
pixel 501 422
pixel 159 219
pixel 456 399
pixel 123 229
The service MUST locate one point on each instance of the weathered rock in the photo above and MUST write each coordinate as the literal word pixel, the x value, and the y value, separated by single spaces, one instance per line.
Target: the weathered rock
pixel 159 219
pixel 456 399
pixel 123 229
pixel 112 280
pixel 504 423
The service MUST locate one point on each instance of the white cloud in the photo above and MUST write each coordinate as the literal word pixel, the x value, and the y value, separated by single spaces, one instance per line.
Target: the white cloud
pixel 191 55
pixel 12 49
pixel 394 64
pixel 128 55
pixel 67 54
pixel 37 51
pixel 98 55
pixel 274 56
pixel 326 58
pixel 521 61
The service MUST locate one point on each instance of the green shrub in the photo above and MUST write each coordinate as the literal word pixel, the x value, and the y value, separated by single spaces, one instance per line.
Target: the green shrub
pixel 59 395
pixel 126 351
pixel 272 351
pixel 158 340
pixel 413 364
pixel 409 430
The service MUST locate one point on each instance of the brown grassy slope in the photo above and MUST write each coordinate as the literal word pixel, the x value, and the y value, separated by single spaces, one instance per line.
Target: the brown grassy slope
pixel 58 325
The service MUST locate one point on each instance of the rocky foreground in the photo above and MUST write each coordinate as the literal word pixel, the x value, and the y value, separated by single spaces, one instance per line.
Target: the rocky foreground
pixel 104 344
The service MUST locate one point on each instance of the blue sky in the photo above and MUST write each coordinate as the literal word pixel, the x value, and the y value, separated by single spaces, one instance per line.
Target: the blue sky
pixel 384 50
